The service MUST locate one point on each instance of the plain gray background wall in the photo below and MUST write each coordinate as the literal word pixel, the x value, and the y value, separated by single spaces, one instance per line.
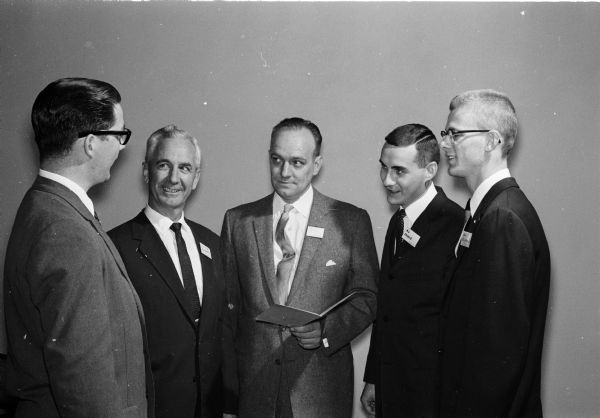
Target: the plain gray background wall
pixel 229 72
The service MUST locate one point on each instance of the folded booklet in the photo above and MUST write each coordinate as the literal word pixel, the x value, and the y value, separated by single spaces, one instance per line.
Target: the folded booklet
pixel 288 316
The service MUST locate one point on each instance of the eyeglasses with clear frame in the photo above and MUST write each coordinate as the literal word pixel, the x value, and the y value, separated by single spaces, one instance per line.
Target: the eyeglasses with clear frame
pixel 449 135
pixel 122 136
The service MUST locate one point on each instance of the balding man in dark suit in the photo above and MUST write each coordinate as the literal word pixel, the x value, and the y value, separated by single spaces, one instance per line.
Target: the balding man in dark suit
pixel 175 265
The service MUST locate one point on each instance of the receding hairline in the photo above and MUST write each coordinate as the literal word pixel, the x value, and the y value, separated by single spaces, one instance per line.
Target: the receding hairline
pixel 316 151
pixel 171 132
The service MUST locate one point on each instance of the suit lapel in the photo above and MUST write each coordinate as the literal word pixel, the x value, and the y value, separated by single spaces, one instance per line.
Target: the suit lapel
pixel 424 222
pixel 386 258
pixel 318 218
pixel 72 199
pixel 489 197
pixel 152 249
pixel 263 234
pixel 208 279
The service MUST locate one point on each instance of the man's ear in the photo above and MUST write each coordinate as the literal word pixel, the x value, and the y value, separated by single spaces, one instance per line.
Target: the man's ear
pixel 145 172
pixel 431 170
pixel 494 139
pixel 318 165
pixel 196 179
pixel 89 143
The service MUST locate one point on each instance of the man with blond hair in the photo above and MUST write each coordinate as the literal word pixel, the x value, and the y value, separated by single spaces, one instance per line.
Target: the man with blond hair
pixel 495 306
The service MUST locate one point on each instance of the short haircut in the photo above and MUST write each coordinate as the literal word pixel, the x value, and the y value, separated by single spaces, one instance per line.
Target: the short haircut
pixel 168 132
pixel 494 110
pixel 295 124
pixel 425 142
pixel 68 106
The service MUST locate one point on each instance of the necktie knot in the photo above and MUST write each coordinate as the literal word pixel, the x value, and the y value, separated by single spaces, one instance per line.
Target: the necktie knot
pixel 176 227
pixel 401 214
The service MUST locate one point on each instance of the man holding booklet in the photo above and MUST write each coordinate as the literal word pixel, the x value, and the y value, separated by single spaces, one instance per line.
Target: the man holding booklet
pixel 299 248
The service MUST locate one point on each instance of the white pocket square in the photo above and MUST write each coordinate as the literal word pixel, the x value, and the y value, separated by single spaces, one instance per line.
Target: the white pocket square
pixel 330 263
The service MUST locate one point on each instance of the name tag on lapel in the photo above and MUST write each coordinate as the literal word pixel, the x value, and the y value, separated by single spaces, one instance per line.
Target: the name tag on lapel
pixel 465 239
pixel 205 250
pixel 315 231
pixel 411 237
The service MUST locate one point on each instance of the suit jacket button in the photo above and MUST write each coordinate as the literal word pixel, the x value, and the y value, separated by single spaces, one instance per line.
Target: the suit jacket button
pixel 277 362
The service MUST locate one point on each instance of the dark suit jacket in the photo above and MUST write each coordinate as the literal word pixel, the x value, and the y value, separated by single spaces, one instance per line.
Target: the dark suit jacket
pixel 320 381
pixel 74 323
pixel 403 356
pixel 187 360
pixel 495 311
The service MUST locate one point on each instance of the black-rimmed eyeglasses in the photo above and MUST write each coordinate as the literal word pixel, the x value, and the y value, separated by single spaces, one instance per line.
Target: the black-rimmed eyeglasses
pixel 450 134
pixel 122 136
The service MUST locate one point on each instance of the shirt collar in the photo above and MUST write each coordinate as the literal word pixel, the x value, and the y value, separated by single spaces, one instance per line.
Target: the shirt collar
pixel 416 208
pixel 160 221
pixel 302 205
pixel 71 185
pixel 485 187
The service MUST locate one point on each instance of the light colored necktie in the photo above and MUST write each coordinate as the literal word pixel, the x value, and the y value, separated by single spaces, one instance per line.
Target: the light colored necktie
pixel 285 266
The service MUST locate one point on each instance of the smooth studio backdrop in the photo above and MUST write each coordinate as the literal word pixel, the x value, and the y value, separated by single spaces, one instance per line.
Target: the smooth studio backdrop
pixel 229 72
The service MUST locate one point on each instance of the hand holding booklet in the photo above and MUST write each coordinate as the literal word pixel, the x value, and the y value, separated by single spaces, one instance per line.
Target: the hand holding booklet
pixel 288 316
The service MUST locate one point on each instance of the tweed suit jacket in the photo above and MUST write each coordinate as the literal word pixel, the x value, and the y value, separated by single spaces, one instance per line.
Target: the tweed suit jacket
pixel 190 362
pixel 75 327
pixel 494 312
pixel 403 355
pixel 344 259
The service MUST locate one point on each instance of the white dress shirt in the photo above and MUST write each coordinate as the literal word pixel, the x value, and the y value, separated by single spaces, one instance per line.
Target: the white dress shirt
pixel 162 224
pixel 295 229
pixel 416 208
pixel 71 185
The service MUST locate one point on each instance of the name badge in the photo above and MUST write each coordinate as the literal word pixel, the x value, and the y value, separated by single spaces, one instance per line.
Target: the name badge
pixel 205 250
pixel 465 239
pixel 411 237
pixel 315 231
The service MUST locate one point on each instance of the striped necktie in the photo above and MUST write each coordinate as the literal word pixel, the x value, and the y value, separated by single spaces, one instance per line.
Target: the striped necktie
pixel 285 266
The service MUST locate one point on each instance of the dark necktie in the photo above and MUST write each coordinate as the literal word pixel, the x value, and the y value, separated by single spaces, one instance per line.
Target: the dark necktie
pixel 187 272
pixel 468 216
pixel 398 231
pixel 285 266
pixel 467 228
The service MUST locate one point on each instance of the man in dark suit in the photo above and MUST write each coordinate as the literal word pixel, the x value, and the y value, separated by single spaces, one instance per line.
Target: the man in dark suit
pixel 495 308
pixel 402 365
pixel 176 268
pixel 74 323
pixel 300 248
